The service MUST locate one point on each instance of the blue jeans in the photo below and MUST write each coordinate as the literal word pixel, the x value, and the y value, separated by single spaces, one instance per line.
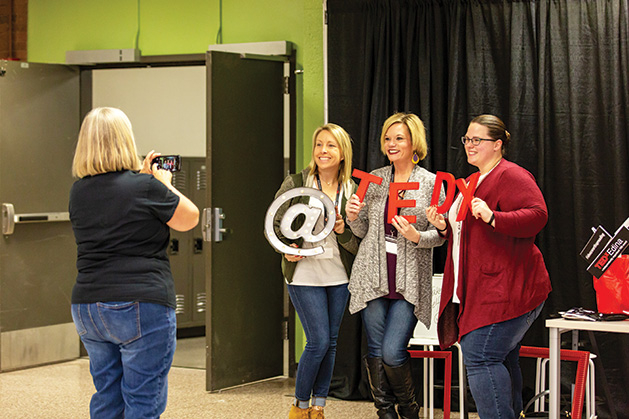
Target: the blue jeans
pixel 131 347
pixel 320 310
pixel 389 325
pixel 492 358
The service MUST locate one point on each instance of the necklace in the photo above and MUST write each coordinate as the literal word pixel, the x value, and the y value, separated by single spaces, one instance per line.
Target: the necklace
pixel 337 200
pixel 494 166
pixel 326 182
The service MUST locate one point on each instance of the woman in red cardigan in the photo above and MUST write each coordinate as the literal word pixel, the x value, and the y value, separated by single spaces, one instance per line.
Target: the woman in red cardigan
pixel 495 281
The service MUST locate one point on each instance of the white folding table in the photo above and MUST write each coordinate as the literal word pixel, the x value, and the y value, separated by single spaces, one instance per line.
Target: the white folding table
pixel 558 326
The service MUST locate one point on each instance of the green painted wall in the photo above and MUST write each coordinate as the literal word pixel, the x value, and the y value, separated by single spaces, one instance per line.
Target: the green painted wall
pixel 163 27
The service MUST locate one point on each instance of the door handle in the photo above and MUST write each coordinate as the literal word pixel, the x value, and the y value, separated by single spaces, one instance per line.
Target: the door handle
pixel 218 230
pixel 212 224
pixel 206 224
pixel 10 218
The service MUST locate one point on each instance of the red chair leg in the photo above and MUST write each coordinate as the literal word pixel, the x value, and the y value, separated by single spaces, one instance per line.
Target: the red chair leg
pixel 447 380
pixel 581 357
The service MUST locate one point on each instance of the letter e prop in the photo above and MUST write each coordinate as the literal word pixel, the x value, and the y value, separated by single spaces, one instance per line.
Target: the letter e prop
pixel 395 202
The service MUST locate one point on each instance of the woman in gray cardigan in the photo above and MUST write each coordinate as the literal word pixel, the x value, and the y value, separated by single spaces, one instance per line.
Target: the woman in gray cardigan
pixel 391 280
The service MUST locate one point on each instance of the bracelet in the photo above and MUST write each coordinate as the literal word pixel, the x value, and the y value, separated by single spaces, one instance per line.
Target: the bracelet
pixel 491 220
pixel 440 230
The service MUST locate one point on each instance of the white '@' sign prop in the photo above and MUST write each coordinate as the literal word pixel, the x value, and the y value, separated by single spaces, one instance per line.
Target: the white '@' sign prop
pixel 306 231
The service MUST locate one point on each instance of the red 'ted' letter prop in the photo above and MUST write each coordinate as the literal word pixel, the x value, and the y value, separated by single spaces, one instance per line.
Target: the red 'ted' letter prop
pixel 365 180
pixel 468 194
pixel 434 201
pixel 395 202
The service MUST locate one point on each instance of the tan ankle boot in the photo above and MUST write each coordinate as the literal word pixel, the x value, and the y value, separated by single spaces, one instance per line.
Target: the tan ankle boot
pixel 297 413
pixel 316 413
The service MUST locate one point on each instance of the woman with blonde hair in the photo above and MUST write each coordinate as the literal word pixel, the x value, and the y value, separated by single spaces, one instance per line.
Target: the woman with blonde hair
pixel 123 302
pixel 317 285
pixel 391 282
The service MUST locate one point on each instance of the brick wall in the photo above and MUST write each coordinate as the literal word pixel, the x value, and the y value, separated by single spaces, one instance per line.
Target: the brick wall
pixel 13 29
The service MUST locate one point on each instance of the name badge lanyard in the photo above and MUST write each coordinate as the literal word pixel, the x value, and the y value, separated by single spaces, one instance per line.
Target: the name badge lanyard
pixel 336 200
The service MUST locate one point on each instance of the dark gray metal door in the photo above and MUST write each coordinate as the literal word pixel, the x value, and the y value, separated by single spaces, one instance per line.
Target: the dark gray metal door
pixel 244 284
pixel 40 118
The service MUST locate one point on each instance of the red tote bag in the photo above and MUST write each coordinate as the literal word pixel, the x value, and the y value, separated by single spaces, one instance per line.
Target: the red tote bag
pixel 612 288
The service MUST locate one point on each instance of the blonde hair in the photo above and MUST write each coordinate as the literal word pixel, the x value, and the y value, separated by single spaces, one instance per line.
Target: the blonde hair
pixel 345 167
pixel 415 128
pixel 106 144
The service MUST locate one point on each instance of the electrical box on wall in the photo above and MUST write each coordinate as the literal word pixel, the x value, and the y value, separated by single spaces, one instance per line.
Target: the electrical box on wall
pixel 103 56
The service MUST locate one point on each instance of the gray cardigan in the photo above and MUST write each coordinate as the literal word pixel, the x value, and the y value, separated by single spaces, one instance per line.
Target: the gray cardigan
pixel 414 261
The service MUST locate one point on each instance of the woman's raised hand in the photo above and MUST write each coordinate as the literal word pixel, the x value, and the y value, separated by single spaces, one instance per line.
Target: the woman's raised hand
pixel 164 176
pixel 353 207
pixel 339 224
pixel 405 228
pixel 435 218
pixel 481 210
pixel 146 164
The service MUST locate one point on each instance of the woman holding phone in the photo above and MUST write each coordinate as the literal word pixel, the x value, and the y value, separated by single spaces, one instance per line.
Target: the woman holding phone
pixel 123 302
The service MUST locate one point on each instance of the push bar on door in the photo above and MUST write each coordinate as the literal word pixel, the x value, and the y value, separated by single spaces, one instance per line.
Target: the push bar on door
pixel 10 218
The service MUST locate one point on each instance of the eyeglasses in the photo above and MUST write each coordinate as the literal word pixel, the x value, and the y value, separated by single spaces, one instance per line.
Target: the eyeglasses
pixel 475 140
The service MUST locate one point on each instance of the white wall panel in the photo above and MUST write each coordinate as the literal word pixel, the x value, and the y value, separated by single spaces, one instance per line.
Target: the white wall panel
pixel 166 105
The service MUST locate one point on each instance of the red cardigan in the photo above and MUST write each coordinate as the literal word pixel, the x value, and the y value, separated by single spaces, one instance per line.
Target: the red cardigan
pixel 502 273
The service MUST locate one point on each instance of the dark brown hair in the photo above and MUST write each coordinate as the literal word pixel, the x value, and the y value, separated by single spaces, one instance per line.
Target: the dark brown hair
pixel 497 129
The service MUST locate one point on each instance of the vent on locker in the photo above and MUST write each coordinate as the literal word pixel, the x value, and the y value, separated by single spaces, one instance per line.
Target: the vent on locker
pixel 201 179
pixel 201 302
pixel 180 304
pixel 180 180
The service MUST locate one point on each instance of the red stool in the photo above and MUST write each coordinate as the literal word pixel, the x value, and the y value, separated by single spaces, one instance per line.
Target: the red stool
pixel 581 357
pixel 447 374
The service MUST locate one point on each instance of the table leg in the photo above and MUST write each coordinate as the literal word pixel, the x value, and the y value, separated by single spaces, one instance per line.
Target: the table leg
pixel 554 372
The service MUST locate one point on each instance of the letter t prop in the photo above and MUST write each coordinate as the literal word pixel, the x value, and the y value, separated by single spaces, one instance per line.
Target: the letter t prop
pixel 365 180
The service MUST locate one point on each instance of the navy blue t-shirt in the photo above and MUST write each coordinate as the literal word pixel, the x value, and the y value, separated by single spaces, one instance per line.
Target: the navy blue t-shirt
pixel 119 222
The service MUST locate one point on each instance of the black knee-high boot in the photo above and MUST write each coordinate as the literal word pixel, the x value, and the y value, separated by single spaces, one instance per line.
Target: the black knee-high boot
pixel 401 381
pixel 383 397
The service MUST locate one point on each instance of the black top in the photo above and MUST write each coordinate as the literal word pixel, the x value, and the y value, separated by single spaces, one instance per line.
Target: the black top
pixel 119 222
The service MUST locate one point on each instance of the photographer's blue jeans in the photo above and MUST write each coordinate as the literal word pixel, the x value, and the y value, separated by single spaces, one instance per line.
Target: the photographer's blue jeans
pixel 389 325
pixel 492 359
pixel 320 310
pixel 131 347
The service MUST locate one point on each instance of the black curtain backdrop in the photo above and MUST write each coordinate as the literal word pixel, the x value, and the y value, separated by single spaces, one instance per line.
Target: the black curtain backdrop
pixel 556 71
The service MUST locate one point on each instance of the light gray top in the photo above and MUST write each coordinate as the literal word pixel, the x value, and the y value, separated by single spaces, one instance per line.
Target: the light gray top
pixel 369 279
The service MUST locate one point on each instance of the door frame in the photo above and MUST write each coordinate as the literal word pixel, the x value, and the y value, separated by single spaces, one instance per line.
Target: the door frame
pixel 285 52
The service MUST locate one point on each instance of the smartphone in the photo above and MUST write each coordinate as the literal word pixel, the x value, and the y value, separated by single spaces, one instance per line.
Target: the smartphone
pixel 170 163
